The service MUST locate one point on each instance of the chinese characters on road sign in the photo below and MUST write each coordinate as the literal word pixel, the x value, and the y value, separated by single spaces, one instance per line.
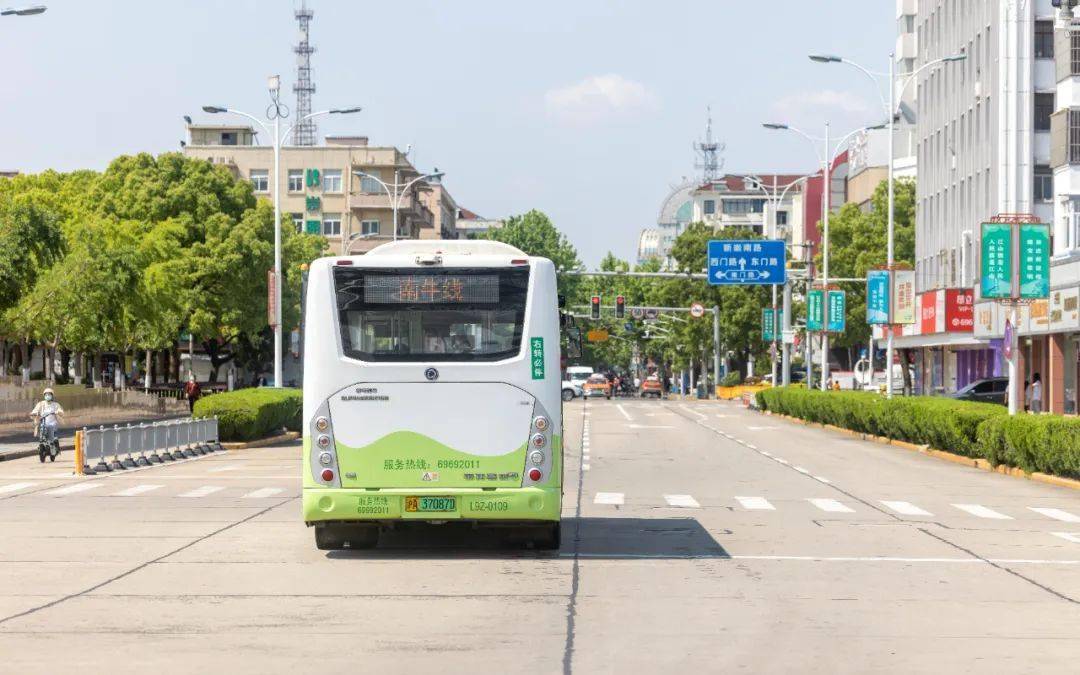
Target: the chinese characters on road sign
pixel 762 261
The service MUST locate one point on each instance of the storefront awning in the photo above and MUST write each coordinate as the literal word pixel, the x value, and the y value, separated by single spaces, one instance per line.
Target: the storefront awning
pixel 955 340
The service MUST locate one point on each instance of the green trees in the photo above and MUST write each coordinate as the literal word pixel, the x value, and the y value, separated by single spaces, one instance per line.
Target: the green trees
pixel 127 259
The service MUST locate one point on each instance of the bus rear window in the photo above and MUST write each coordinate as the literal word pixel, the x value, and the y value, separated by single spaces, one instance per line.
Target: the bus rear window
pixel 421 314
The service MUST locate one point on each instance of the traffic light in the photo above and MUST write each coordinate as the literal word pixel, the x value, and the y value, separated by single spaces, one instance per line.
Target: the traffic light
pixel 596 306
pixel 620 306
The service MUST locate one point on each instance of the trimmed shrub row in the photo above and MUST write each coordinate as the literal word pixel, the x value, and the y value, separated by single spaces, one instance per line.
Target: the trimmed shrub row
pixel 1045 443
pixel 247 414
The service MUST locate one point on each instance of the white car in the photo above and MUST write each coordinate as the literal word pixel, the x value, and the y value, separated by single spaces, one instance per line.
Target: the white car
pixel 571 390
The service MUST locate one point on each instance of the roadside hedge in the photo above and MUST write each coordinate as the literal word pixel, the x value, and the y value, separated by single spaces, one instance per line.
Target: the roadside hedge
pixel 248 414
pixel 1045 443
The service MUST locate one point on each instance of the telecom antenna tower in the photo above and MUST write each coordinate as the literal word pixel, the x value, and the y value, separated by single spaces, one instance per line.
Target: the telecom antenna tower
pixel 306 131
pixel 708 152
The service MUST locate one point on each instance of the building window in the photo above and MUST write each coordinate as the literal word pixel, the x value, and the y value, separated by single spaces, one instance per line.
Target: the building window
pixel 741 207
pixel 1072 229
pixel 298 221
pixel 1044 184
pixel 228 138
pixel 369 185
pixel 296 180
pixel 331 180
pixel 709 207
pixel 1074 137
pixel 1044 108
pixel 781 217
pixel 1044 39
pixel 260 180
pixel 369 227
pixel 331 224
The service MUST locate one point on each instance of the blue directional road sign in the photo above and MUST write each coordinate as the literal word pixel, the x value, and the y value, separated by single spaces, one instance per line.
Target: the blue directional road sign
pixel 758 261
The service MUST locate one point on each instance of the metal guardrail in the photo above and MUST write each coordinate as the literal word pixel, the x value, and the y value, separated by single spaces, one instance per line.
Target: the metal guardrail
pixel 136 445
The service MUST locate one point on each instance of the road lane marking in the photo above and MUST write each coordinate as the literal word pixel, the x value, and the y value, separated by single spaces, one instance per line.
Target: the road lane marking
pixel 755 503
pixel 624 413
pixel 691 410
pixel 831 506
pixel 219 469
pixel 203 491
pixel 15 487
pixel 136 490
pixel 682 501
pixel 766 453
pixel 585 467
pixel 761 428
pixel 263 493
pixel 752 447
pixel 906 508
pixel 72 489
pixel 781 460
pixel 801 470
pixel 823 480
pixel 613 498
pixel 650 426
pixel 982 511
pixel 1068 536
pixel 1057 514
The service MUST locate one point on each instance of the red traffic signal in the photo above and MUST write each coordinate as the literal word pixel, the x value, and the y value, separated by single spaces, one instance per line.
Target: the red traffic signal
pixel 596 306
pixel 620 307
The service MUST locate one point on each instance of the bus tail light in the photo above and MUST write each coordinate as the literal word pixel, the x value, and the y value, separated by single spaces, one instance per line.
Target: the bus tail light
pixel 538 440
pixel 328 475
pixel 534 475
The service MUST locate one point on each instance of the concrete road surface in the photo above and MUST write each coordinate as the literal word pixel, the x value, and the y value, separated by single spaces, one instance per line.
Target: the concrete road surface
pixel 698 537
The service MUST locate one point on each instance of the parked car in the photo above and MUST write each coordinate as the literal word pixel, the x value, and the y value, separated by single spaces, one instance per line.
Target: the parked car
pixel 652 387
pixel 990 390
pixel 570 390
pixel 597 385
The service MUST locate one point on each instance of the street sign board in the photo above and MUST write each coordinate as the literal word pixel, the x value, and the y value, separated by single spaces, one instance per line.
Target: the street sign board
pixel 651 314
pixel 837 311
pixel 815 310
pixel 996 260
pixel 637 312
pixel 768 324
pixel 788 337
pixel 697 310
pixel 903 297
pixel 628 326
pixel 761 261
pixel 597 335
pixel 1034 260
pixel 877 297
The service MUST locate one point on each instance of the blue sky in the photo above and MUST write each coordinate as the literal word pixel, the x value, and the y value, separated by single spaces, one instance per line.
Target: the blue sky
pixel 584 109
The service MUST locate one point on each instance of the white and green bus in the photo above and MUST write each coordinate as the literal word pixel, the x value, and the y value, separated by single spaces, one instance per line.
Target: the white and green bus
pixel 432 392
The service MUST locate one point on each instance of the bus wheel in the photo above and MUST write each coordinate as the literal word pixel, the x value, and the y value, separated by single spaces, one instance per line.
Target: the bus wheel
pixel 329 538
pixel 551 538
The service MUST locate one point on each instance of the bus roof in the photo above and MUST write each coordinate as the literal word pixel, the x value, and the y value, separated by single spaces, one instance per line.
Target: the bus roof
pixel 446 247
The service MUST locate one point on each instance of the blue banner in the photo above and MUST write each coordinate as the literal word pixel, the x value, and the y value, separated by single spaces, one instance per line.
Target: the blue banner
pixel 759 261
pixel 836 320
pixel 877 297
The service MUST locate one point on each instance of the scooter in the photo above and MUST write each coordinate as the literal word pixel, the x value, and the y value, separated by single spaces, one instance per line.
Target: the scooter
pixel 47 447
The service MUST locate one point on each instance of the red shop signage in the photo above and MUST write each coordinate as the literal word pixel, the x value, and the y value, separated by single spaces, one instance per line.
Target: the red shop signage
pixel 960 310
pixel 928 313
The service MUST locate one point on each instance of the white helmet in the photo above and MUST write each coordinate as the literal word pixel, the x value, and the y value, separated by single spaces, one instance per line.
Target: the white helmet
pixel 48 390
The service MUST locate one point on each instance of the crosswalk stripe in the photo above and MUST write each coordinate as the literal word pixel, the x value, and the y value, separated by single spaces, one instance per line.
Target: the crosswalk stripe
pixel 137 490
pixel 1057 514
pixel 15 487
pixel 1068 536
pixel 982 511
pixel 755 503
pixel 262 493
pixel 227 467
pixel 831 506
pixel 203 491
pixel 72 489
pixel 614 498
pixel 682 501
pixel 906 508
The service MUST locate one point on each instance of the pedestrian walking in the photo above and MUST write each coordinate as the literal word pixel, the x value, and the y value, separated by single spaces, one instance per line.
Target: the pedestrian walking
pixel 1036 393
pixel 192 391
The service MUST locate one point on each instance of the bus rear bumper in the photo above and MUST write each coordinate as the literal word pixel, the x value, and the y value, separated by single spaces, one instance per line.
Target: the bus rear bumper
pixel 502 504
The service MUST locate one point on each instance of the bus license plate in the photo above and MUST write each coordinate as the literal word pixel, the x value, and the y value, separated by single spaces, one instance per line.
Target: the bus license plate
pixel 417 504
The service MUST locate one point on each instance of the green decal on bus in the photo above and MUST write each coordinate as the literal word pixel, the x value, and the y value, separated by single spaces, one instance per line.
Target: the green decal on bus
pixel 537 356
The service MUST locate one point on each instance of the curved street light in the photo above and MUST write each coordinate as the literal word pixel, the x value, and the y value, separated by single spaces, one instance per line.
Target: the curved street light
pixel 23 11
pixel 396 191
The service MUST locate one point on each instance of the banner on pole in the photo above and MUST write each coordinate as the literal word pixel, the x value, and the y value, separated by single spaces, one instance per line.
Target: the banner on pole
pixel 768 325
pixel 877 297
pixel 1034 260
pixel 903 297
pixel 815 310
pixel 996 264
pixel 837 317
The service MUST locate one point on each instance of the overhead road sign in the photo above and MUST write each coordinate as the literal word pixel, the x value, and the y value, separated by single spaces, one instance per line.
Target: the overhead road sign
pixel 747 262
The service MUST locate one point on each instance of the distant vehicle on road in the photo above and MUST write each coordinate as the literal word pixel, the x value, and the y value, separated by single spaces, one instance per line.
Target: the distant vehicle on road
pixel 652 386
pixel 990 390
pixel 431 392
pixel 570 390
pixel 578 374
pixel 597 385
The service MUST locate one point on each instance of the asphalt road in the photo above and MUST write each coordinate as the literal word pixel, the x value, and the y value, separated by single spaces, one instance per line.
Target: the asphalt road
pixel 697 536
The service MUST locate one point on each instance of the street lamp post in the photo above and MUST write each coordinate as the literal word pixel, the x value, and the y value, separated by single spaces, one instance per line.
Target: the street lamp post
pixel 396 191
pixel 890 113
pixel 826 173
pixel 276 112
pixel 776 198
pixel 23 11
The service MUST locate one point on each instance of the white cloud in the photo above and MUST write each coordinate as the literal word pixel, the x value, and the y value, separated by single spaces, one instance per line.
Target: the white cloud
pixel 597 98
pixel 821 104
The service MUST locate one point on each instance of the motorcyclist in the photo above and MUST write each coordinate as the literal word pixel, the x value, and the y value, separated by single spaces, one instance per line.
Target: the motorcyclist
pixel 49 411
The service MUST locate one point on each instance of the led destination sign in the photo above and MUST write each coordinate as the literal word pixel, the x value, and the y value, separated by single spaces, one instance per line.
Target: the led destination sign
pixel 431 289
